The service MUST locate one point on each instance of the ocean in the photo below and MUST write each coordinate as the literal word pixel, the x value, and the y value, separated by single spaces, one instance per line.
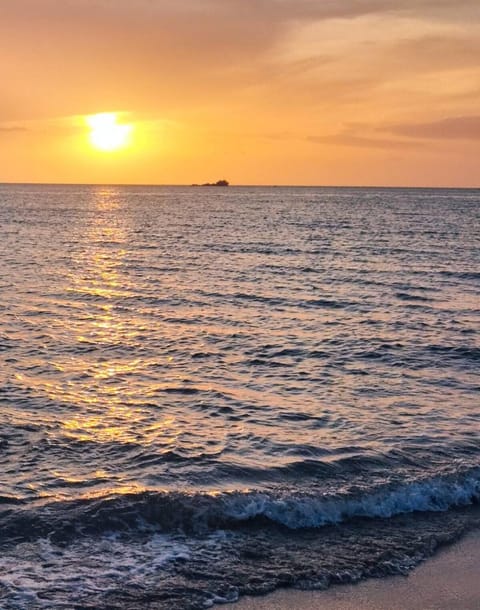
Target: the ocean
pixel 211 392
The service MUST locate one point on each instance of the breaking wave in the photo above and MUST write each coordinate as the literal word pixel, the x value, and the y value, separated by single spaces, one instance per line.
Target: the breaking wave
pixel 169 511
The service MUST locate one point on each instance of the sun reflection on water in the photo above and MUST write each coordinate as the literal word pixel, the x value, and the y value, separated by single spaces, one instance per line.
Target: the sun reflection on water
pixel 98 383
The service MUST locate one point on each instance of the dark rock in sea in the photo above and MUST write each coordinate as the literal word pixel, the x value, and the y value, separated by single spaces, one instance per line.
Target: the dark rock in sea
pixel 218 183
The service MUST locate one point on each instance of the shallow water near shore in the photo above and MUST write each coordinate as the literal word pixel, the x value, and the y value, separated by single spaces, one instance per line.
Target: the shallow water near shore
pixel 212 392
pixel 447 582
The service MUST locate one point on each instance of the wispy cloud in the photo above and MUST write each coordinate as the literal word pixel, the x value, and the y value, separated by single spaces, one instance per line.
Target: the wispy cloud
pixel 12 129
pixel 450 128
pixel 348 139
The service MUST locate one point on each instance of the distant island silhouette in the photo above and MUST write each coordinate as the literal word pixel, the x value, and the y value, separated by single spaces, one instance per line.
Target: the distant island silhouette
pixel 218 183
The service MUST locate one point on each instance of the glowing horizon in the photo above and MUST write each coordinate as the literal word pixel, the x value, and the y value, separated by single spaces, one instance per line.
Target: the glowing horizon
pixel 285 92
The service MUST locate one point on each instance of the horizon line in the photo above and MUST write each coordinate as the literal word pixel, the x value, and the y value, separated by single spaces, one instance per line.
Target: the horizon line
pixel 243 185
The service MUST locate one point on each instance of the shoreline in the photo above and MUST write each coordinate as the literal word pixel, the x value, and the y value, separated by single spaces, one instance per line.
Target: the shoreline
pixel 447 581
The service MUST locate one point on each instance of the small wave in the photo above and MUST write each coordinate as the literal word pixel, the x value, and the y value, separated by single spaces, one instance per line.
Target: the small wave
pixel 328 303
pixel 457 352
pixel 407 296
pixel 462 275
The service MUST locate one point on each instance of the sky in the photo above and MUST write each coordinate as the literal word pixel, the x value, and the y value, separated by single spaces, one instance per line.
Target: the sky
pixel 310 92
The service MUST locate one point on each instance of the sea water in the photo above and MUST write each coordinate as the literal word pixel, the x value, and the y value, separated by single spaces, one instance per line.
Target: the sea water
pixel 206 392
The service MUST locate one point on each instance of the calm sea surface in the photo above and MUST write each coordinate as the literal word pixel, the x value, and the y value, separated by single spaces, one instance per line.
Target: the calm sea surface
pixel 207 392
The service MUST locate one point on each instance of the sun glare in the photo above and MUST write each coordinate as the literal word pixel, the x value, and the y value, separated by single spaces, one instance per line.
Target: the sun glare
pixel 106 133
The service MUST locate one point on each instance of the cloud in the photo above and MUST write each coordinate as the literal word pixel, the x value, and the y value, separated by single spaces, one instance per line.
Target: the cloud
pixel 450 128
pixel 349 139
pixel 13 129
pixel 435 52
pixel 168 55
pixel 412 135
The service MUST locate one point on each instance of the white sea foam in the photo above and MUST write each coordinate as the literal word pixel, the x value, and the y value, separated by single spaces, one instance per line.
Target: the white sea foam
pixel 85 568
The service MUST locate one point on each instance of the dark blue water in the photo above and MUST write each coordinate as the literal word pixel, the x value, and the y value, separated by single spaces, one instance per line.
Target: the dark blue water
pixel 206 392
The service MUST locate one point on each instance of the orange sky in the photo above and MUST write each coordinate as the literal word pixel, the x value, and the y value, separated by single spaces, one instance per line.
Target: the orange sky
pixel 363 92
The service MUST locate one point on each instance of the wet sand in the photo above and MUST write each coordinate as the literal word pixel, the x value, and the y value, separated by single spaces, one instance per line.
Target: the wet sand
pixel 448 581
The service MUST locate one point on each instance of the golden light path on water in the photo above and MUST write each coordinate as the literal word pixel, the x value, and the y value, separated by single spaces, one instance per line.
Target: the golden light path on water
pixel 115 417
pixel 107 408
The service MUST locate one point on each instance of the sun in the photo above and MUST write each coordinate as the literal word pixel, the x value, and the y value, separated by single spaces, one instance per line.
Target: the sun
pixel 106 134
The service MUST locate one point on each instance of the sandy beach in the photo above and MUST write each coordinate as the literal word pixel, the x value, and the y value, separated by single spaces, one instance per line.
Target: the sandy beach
pixel 448 581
